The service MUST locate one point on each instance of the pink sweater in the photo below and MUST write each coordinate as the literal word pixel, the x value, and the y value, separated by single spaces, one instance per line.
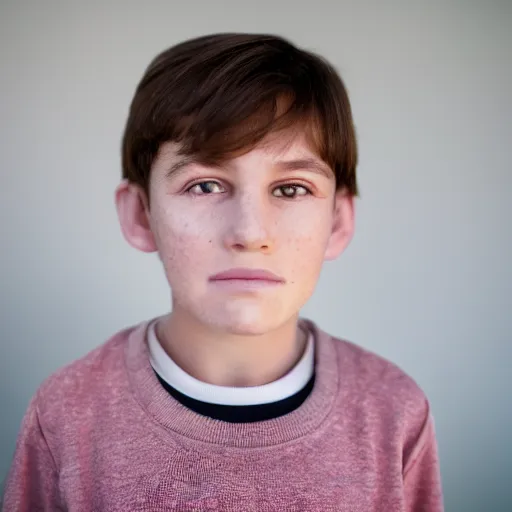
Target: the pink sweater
pixel 101 434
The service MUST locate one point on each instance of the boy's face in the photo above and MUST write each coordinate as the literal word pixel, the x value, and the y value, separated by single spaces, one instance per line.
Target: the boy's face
pixel 273 209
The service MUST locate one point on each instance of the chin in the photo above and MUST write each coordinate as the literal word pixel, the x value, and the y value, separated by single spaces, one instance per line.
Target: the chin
pixel 247 321
pixel 245 326
pixel 246 329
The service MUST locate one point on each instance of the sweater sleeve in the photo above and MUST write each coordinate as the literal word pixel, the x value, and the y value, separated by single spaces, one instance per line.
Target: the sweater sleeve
pixel 32 482
pixel 422 479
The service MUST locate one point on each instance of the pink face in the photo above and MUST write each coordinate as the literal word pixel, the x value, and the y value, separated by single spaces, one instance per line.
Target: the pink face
pixel 243 245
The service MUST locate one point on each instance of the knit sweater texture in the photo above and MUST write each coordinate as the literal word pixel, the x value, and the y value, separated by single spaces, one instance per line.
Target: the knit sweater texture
pixel 102 434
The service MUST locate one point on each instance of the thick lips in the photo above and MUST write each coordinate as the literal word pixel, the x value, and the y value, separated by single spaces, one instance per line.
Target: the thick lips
pixel 247 274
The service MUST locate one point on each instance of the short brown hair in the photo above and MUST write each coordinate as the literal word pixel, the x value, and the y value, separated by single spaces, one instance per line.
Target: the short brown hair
pixel 219 95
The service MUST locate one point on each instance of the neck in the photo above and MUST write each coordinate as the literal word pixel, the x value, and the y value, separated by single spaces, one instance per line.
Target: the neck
pixel 222 358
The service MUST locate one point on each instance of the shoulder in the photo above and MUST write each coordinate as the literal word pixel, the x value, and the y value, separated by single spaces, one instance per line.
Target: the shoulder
pixel 380 391
pixel 377 376
pixel 76 388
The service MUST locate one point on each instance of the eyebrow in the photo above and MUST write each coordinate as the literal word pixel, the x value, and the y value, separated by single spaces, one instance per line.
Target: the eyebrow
pixel 180 165
pixel 306 164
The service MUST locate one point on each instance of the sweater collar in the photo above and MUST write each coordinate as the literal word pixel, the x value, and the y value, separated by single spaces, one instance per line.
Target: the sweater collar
pixel 282 388
pixel 174 416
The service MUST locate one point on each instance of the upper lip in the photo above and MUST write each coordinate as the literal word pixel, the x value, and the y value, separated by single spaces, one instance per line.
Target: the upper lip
pixel 247 274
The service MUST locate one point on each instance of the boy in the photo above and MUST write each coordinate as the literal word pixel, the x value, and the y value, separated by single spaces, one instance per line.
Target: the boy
pixel 239 159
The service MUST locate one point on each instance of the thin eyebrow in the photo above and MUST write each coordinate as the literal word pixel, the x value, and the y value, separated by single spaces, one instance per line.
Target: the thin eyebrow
pixel 306 164
pixel 180 165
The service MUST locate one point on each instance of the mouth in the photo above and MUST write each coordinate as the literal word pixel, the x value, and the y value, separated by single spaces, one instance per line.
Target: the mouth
pixel 247 275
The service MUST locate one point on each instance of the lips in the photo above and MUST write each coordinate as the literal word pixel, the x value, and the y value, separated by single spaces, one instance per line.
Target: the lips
pixel 247 274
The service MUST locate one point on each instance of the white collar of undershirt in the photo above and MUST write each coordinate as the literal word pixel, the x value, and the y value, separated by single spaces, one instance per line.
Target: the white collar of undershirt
pixel 280 389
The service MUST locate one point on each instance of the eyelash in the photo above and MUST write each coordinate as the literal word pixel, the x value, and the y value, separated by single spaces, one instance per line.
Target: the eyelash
pixel 284 185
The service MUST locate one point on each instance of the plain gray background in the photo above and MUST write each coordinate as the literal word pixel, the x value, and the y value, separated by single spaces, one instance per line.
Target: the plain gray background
pixel 427 280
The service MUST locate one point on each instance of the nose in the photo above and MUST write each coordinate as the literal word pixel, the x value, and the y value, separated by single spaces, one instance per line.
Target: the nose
pixel 249 226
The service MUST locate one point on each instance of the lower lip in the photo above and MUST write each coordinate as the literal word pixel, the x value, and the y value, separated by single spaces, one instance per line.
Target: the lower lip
pixel 246 284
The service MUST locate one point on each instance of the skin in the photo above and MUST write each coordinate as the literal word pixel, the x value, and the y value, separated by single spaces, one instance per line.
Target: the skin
pixel 254 212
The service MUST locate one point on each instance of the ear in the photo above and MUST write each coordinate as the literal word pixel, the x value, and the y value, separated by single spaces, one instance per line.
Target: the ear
pixel 342 225
pixel 133 212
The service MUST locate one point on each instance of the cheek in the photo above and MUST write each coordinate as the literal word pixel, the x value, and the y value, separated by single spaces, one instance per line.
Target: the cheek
pixel 304 245
pixel 181 240
pixel 308 233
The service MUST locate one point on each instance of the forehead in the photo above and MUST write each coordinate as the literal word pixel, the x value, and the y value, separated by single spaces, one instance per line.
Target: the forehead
pixel 285 150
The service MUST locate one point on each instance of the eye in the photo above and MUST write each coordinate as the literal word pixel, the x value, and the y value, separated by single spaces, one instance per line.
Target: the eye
pixel 290 191
pixel 205 188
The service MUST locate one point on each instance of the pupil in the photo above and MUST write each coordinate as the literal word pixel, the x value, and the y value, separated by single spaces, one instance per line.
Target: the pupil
pixel 207 186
